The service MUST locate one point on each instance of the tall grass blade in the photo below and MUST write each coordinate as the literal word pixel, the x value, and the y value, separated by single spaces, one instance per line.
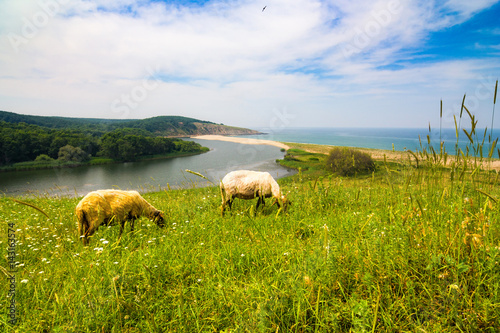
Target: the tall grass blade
pixel 492 149
pixel 199 175
pixel 440 121
pixel 469 136
pixel 493 112
pixel 30 205
pixel 468 112
pixel 461 112
pixel 456 128
pixel 487 194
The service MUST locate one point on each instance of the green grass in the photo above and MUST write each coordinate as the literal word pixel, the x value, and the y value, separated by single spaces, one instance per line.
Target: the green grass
pixel 404 249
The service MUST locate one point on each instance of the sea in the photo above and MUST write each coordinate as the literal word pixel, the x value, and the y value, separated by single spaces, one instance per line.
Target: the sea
pixel 399 139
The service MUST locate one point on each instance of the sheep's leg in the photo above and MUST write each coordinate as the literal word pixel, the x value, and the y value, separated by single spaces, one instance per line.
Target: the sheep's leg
pixel 132 221
pixel 122 226
pixel 261 200
pixel 229 203
pixel 82 230
pixel 83 233
pixel 91 229
pixel 86 229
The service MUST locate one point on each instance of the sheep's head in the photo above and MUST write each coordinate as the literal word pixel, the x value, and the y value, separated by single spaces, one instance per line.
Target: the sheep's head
pixel 282 202
pixel 159 218
pixel 285 202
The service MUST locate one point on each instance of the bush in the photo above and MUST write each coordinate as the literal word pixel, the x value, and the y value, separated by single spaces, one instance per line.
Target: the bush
pixel 348 162
pixel 69 153
pixel 44 158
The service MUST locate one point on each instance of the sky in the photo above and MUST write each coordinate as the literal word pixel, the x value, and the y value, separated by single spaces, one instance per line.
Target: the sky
pixel 256 64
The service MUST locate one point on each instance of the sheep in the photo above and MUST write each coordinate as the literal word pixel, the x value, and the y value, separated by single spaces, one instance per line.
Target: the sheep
pixel 246 184
pixel 107 207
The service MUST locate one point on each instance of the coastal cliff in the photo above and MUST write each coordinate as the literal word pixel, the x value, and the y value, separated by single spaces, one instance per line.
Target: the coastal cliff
pixel 207 129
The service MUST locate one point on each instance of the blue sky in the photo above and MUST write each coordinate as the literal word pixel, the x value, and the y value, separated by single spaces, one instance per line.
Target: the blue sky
pixel 298 63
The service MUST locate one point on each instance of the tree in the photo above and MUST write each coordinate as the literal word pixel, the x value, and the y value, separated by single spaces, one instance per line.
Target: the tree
pixel 127 151
pixel 69 153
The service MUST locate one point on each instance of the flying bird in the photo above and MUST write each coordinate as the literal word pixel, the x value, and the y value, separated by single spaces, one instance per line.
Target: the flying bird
pixel 264 8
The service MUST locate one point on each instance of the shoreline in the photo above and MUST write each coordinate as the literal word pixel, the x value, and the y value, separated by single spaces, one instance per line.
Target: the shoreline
pixel 245 141
pixel 309 147
pixel 377 154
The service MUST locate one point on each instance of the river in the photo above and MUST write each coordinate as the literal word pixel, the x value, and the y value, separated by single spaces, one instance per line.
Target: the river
pixel 152 175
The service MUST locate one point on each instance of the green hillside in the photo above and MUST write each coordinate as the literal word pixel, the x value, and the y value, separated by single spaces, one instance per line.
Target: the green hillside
pixel 30 142
pixel 28 139
pixel 159 125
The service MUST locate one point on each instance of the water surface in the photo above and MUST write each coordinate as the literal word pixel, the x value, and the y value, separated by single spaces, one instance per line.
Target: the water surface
pixel 147 175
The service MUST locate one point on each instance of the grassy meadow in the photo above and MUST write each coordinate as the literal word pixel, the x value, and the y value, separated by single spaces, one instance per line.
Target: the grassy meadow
pixel 403 249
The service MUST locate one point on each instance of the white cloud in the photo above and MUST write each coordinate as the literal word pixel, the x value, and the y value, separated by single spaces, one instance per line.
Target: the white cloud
pixel 225 60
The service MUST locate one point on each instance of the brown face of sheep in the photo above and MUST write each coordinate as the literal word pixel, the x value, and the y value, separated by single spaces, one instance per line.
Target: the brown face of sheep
pixel 284 201
pixel 159 219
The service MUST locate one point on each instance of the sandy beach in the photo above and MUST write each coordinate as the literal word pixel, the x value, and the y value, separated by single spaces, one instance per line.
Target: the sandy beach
pixel 242 140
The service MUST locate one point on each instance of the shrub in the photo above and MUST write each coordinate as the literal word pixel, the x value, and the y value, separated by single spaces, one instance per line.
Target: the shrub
pixel 44 158
pixel 348 162
pixel 69 153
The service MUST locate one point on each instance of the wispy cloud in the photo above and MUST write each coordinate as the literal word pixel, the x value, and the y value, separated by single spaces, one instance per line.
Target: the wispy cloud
pixel 232 62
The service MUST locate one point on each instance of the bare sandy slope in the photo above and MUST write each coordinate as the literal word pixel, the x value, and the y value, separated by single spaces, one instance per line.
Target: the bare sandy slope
pixel 377 154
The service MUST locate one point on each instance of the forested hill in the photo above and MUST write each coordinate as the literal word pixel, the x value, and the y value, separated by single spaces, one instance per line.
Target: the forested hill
pixel 56 140
pixel 169 126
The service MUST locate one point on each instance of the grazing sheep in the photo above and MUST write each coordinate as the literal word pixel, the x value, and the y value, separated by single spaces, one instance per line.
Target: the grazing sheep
pixel 245 184
pixel 107 207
